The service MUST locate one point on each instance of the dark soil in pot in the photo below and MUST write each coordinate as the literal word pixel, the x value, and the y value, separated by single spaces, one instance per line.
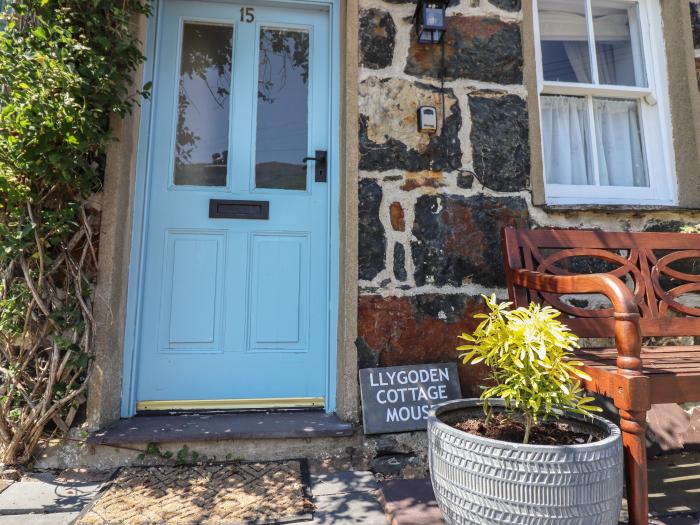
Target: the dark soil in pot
pixel 511 428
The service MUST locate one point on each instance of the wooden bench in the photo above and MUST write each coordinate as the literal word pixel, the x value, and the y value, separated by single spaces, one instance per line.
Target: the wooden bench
pixel 644 277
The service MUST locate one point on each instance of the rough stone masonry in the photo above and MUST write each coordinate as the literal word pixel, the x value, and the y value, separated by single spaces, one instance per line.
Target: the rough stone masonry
pixel 431 206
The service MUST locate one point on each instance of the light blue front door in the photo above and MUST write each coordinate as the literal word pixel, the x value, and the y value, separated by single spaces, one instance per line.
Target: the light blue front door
pixel 234 302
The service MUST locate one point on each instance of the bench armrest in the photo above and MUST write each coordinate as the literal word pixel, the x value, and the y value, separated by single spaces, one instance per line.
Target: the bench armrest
pixel 628 337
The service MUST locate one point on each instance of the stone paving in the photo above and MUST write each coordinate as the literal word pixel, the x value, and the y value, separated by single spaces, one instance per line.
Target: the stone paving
pixel 47 498
pixel 341 498
pixel 344 497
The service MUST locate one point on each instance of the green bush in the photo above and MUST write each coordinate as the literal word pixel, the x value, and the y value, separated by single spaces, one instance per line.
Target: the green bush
pixel 529 354
pixel 65 68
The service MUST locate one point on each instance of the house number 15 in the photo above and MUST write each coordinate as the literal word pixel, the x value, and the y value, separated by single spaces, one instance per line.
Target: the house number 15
pixel 247 14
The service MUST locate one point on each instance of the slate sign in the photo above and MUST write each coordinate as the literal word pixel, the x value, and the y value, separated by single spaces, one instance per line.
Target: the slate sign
pixel 398 398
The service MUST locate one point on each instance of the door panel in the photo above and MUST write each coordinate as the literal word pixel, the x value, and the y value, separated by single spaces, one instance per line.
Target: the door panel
pixel 236 308
pixel 280 290
pixel 193 291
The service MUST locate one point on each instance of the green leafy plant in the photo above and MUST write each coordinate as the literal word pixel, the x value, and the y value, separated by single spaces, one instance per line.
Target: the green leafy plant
pixel 65 69
pixel 692 228
pixel 154 451
pixel 529 353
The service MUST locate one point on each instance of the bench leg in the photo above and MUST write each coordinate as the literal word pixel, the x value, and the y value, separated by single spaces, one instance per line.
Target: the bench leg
pixel 633 426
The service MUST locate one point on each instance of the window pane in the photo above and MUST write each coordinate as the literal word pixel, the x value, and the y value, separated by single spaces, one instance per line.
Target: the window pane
pixel 621 159
pixel 283 93
pixel 618 48
pixel 201 148
pixel 564 41
pixel 565 134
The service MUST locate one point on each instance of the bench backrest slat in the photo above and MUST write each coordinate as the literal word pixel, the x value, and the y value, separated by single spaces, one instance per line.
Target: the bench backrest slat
pixel 662 270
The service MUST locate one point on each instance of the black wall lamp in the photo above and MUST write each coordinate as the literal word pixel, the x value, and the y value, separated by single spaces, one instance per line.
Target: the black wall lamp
pixel 429 20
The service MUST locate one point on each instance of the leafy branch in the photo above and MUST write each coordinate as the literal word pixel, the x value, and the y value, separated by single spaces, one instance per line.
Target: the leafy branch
pixel 65 68
pixel 530 355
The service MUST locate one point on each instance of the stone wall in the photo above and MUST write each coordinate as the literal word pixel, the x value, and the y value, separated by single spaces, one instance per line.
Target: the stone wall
pixel 431 206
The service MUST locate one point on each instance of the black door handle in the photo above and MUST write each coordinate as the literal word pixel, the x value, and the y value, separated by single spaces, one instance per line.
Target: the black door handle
pixel 321 167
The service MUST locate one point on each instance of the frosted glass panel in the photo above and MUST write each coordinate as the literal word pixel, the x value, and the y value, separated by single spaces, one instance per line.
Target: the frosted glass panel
pixel 283 112
pixel 201 148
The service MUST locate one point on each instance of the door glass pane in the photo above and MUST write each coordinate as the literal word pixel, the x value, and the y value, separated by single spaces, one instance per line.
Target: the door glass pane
pixel 620 152
pixel 564 41
pixel 282 118
pixel 201 148
pixel 617 44
pixel 566 140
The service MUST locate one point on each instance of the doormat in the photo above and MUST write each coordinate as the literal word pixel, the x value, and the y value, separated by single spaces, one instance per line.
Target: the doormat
pixel 209 494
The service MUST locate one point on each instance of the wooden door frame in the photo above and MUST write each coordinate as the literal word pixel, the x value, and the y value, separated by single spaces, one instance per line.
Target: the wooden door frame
pixel 141 199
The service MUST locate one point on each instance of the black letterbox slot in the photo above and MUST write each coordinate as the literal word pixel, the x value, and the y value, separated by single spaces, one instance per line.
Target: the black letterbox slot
pixel 232 209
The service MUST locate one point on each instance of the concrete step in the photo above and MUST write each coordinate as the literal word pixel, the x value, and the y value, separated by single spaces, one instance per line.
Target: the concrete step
pixel 251 436
pixel 178 428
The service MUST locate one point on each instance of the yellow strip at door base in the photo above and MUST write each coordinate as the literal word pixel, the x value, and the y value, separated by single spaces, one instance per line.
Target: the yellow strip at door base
pixel 232 404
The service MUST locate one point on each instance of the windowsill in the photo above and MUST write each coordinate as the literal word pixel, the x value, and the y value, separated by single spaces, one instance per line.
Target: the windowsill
pixel 613 207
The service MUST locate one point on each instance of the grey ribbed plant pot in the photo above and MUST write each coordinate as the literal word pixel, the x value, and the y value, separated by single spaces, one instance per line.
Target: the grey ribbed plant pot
pixel 484 481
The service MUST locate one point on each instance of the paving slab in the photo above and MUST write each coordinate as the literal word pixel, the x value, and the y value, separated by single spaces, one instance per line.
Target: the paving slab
pixel 344 482
pixel 411 502
pixel 347 497
pixel 361 508
pixel 674 484
pixel 675 520
pixel 56 518
pixel 46 496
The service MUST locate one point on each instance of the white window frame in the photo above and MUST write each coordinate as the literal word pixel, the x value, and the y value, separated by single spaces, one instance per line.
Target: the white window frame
pixel 654 114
